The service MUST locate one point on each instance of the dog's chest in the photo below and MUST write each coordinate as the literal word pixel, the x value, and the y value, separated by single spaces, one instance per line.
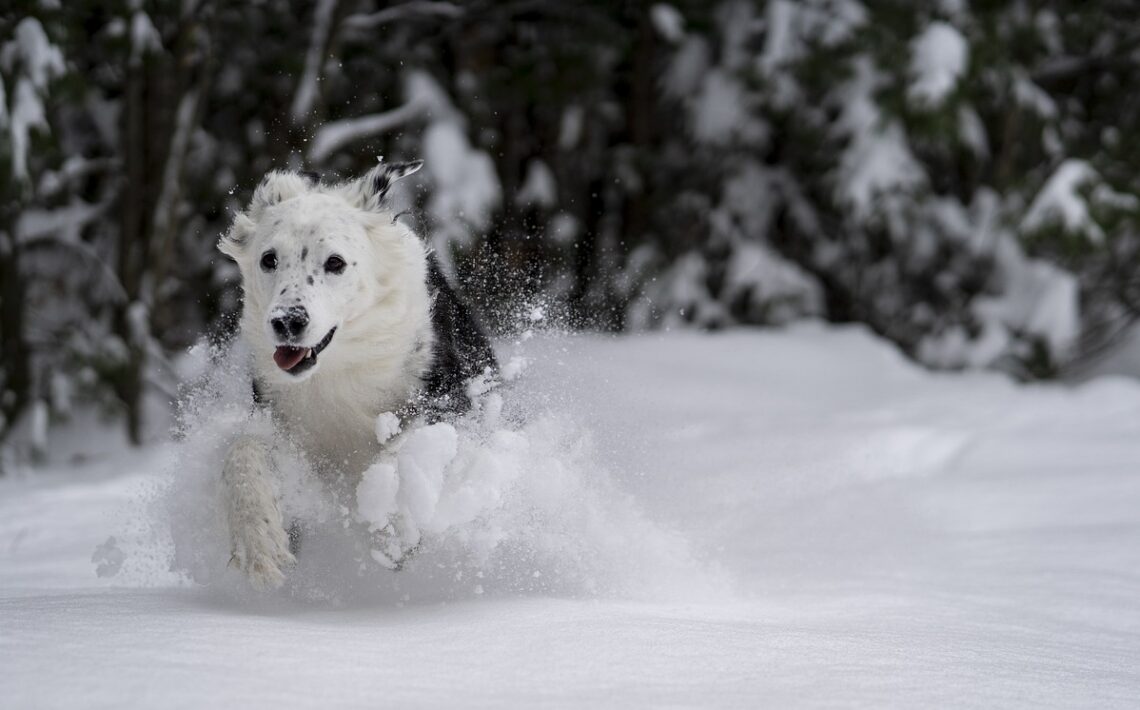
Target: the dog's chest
pixel 332 424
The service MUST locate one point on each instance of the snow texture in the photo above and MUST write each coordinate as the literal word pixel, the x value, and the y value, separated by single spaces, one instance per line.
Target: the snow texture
pixel 1039 300
pixel 792 29
pixel 539 188
pixel 798 518
pixel 421 96
pixel 1060 202
pixel 35 61
pixel 145 38
pixel 878 160
pixel 467 188
pixel 939 57
pixel 775 283
pixel 720 111
pixel 306 95
pixel 668 22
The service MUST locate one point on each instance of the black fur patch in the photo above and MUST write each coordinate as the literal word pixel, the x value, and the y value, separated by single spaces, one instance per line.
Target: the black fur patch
pixel 258 394
pixel 390 173
pixel 461 351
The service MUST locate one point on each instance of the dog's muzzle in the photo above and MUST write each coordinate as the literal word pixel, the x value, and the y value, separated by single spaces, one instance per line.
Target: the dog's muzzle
pixel 295 360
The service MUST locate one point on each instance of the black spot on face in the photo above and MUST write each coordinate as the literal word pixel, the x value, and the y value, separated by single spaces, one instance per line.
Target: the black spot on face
pixel 282 292
pixel 304 253
pixel 310 280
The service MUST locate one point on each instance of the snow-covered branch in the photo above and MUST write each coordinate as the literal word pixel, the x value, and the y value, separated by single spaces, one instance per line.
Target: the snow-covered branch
pixel 307 87
pixel 336 134
pixel 62 223
pixel 409 10
pixel 172 171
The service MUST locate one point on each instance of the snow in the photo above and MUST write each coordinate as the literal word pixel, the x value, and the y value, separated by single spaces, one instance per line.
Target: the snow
pixel 1060 202
pixel 334 135
pixel 421 96
pixel 38 61
pixel 972 132
pixel 687 67
pixel 791 29
pixel 167 203
pixel 782 41
pixel 387 426
pixel 63 223
pixel 539 187
pixel 403 11
pixel 777 285
pixel 1038 300
pixel 1031 96
pixel 467 187
pixel 668 22
pixel 878 161
pixel 27 114
pixel 570 127
pixel 306 94
pixel 145 38
pixel 938 60
pixel 791 518
pixel 719 112
pixel 1041 299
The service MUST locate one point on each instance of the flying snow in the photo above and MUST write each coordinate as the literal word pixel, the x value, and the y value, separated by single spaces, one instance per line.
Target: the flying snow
pixel 511 498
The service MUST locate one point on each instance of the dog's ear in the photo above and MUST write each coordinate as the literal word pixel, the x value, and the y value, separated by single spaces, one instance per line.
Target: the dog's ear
pixel 277 186
pixel 369 191
pixel 234 242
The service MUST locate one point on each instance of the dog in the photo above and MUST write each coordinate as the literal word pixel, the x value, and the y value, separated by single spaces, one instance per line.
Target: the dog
pixel 346 315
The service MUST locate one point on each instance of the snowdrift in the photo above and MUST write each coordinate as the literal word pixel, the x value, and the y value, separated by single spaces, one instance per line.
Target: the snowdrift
pixel 781 518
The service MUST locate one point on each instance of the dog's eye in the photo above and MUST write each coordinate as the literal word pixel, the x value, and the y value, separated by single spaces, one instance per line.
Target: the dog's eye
pixel 334 264
pixel 269 261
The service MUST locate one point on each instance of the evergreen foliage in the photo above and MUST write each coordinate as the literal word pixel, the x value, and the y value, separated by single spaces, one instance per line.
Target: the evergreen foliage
pixel 957 176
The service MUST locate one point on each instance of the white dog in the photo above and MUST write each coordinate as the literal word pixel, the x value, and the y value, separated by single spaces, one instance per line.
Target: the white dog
pixel 346 315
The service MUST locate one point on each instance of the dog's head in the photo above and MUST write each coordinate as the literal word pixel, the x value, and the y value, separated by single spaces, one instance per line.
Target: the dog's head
pixel 314 259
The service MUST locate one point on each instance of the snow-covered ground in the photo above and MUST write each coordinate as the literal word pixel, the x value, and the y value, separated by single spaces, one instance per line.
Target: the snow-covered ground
pixel 795 518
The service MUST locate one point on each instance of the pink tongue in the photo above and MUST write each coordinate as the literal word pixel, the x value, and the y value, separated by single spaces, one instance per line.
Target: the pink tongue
pixel 287 357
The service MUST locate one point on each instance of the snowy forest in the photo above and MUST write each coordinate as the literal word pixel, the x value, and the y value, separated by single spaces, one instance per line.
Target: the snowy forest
pixel 817 383
pixel 957 176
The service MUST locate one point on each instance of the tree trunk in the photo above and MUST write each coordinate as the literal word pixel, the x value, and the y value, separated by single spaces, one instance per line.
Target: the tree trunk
pixel 15 370
pixel 132 245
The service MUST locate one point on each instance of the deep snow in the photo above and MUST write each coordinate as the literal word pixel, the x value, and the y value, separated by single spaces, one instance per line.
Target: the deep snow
pixel 753 518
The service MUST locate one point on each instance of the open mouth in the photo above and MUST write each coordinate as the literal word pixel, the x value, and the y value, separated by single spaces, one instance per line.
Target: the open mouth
pixel 296 360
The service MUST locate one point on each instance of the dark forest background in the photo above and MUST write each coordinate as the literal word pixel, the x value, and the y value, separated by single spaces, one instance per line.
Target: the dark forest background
pixel 960 177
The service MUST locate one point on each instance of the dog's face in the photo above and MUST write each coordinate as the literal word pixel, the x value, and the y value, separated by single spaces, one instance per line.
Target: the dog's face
pixel 311 266
pixel 307 253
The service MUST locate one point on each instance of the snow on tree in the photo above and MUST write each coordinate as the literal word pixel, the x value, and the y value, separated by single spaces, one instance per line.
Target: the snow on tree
pixel 956 176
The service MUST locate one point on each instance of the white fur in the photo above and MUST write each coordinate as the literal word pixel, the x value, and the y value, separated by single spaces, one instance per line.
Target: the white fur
pixel 380 307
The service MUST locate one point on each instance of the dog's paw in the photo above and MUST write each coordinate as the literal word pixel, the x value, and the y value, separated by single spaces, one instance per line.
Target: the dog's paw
pixel 392 545
pixel 261 552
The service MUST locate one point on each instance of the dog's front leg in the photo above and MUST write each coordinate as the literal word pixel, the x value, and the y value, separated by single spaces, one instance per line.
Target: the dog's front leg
pixel 260 543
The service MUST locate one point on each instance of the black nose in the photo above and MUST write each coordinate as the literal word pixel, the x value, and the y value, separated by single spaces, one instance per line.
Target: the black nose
pixel 290 324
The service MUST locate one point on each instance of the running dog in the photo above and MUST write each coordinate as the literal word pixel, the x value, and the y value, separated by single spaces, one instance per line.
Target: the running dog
pixel 346 315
